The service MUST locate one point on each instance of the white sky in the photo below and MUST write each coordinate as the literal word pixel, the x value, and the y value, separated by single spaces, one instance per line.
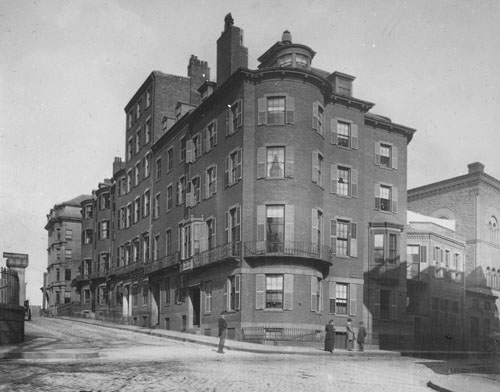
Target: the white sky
pixel 68 68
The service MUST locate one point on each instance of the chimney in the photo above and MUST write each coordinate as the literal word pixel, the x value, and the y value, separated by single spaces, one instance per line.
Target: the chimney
pixel 476 167
pixel 286 38
pixel 231 54
pixel 199 72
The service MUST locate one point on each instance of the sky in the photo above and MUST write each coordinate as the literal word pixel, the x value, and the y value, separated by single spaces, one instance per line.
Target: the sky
pixel 68 68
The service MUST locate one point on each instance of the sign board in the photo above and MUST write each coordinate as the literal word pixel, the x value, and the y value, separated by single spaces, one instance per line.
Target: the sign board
pixel 15 255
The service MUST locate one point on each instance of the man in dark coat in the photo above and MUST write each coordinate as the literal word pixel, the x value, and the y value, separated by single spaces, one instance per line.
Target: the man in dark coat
pixel 222 331
pixel 361 336
pixel 330 336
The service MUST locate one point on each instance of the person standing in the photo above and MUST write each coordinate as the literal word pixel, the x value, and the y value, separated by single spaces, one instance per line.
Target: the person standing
pixel 330 336
pixel 222 331
pixel 350 335
pixel 361 336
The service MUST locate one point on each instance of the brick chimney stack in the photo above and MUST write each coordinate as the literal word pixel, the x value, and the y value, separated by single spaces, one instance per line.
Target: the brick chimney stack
pixel 199 72
pixel 476 167
pixel 231 54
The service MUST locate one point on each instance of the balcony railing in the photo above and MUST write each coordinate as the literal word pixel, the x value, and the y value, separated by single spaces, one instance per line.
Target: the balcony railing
pixel 289 248
pixel 162 263
pixel 223 252
pixel 125 269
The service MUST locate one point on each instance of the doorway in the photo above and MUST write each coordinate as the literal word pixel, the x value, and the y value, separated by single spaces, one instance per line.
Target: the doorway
pixel 194 296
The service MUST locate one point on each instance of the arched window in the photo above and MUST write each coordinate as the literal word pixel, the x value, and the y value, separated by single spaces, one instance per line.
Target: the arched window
pixel 493 227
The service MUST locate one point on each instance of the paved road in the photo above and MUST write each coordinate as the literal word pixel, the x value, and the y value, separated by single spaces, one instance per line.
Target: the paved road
pixel 135 362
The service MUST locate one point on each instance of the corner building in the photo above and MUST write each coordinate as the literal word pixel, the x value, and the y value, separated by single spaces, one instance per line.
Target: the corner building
pixel 273 194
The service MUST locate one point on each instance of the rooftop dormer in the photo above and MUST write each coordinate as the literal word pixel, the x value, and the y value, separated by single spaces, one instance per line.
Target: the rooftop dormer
pixel 287 54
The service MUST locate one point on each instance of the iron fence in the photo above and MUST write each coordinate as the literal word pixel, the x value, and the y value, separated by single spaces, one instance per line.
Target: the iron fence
pixel 289 248
pixel 282 336
pixel 9 287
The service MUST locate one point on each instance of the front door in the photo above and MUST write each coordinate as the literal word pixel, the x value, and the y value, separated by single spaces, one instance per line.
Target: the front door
pixel 194 296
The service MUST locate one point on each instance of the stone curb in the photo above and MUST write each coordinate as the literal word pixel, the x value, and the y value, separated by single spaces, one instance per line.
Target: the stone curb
pixel 50 355
pixel 431 385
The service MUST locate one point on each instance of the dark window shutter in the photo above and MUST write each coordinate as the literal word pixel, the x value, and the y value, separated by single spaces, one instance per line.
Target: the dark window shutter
pixel 333 131
pixel 354 183
pixel 262 111
pixel 261 162
pixel 289 164
pixel 260 291
pixel 354 136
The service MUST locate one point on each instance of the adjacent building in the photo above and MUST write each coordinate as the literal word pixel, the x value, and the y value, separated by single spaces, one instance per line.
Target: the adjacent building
pixel 473 202
pixel 273 193
pixel 64 253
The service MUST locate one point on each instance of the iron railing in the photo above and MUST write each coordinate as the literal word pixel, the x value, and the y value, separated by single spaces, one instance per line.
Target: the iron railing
pixel 9 287
pixel 282 336
pixel 289 248
pixel 231 250
pixel 162 263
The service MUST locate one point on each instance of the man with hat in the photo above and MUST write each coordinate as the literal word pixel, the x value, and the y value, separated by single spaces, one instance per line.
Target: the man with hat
pixel 222 331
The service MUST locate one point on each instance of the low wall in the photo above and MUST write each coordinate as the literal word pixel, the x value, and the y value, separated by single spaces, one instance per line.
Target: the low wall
pixel 11 324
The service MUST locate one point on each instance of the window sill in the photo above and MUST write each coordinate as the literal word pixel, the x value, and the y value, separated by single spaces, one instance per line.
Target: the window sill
pixel 274 310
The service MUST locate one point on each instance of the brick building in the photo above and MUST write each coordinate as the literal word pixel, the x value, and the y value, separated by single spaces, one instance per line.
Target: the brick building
pixel 272 193
pixel 473 201
pixel 64 253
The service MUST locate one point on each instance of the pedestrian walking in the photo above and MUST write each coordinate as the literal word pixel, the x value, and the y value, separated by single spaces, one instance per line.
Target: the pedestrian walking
pixel 330 336
pixel 361 336
pixel 222 331
pixel 350 335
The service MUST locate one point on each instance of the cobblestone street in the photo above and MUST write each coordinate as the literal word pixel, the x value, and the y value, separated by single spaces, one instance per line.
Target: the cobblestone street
pixel 136 362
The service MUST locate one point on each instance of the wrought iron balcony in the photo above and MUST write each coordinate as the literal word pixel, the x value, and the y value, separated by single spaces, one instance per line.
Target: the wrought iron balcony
pixel 162 263
pixel 289 248
pixel 125 269
pixel 230 251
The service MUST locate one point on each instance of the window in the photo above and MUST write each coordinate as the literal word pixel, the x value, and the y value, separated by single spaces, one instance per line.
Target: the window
pixel 87 236
pixel 168 242
pixel 208 296
pixel 317 228
pixel 183 149
pixel 104 230
pixel 276 110
pixel 135 250
pixel 343 237
pixel 58 275
pixel 147 131
pixel 393 248
pixel 156 243
pixel 158 169
pixel 170 159
pixel 386 198
pixel 148 97
pixel 211 181
pixel 232 292
pixel 130 148
pixel 68 253
pixel 68 234
pixel 170 197
pixel 137 173
pixel 145 203
pixel 104 201
pixel 234 118
pixel 474 327
pixel 274 291
pixel 316 295
pixel 386 155
pixel 196 146
pixel 301 61
pixel 129 215
pixel 343 132
pixel 138 141
pixel 317 168
pixel 211 239
pixel 378 248
pixel 137 209
pixel 145 248
pixel 196 190
pixel 318 118
pixel 341 290
pixel 233 167
pixel 493 228
pixel 138 109
pixel 156 206
pixel 275 228
pixel 147 165
pixel 167 291
pixel 103 262
pixel 232 228
pixel 87 212
pixel 211 135
pixel 475 303
pixel 487 305
pixel 181 190
pixel 145 294
pixel 275 162
pixel 285 61
pixel 129 180
pixel 344 181
pixel 58 253
pixel 86 296
pixel 67 274
pixel 129 118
